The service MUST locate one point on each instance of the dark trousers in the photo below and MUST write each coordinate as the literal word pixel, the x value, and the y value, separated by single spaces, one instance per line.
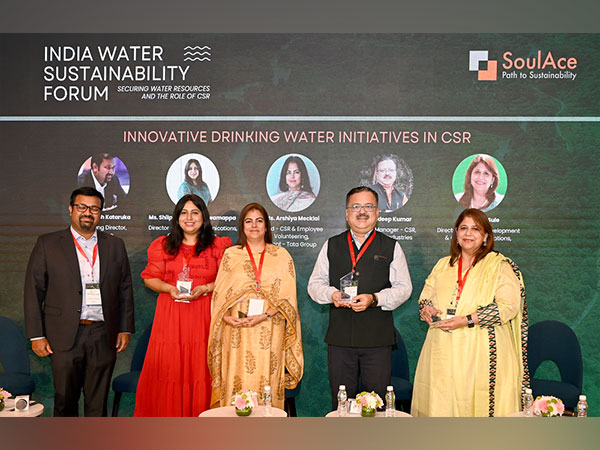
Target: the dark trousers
pixel 372 365
pixel 88 366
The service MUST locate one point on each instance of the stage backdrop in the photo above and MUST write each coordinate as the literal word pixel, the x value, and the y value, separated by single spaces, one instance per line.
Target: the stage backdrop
pixel 240 105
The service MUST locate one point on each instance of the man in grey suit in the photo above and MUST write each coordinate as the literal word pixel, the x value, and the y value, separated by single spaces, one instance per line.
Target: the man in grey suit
pixel 79 305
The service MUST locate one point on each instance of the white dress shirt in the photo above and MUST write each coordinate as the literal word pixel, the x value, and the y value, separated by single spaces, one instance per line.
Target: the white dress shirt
pixel 99 187
pixel 321 291
pixel 87 274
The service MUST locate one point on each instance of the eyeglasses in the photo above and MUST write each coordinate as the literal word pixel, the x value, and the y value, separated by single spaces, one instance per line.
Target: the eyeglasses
pixel 357 208
pixel 80 207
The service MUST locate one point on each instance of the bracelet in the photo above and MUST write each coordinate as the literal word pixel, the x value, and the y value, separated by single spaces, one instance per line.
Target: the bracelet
pixel 267 314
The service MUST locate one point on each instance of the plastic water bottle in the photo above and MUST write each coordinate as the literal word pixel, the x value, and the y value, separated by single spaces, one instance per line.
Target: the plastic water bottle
pixel 267 401
pixel 342 401
pixel 582 406
pixel 527 403
pixel 390 402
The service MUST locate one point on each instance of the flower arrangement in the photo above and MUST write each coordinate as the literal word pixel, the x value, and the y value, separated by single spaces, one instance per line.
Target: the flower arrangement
pixel 3 396
pixel 548 406
pixel 369 402
pixel 244 401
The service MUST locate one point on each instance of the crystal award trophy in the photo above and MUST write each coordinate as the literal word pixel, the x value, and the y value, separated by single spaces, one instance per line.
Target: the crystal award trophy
pixel 438 316
pixel 184 284
pixel 349 287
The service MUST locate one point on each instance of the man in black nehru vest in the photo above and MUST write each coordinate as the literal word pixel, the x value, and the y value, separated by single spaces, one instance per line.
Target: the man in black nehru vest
pixel 361 323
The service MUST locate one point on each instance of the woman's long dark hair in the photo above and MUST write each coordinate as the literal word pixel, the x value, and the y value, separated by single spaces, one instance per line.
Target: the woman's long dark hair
pixel 242 240
pixel 198 181
pixel 484 225
pixel 206 236
pixel 304 178
pixel 487 161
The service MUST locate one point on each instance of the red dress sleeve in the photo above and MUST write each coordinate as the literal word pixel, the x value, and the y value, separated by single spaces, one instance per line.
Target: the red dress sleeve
pixel 221 244
pixel 156 260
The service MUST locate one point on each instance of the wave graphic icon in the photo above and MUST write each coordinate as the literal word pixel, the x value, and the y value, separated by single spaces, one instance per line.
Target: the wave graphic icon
pixel 196 53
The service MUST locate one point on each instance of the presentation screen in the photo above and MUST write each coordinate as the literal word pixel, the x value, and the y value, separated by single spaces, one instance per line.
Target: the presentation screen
pixel 238 118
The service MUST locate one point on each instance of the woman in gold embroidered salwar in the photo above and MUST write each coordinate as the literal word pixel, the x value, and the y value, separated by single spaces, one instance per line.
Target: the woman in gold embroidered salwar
pixel 263 349
pixel 474 363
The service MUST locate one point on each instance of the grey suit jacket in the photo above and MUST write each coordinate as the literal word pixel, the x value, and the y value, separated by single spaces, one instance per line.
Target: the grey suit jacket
pixel 53 291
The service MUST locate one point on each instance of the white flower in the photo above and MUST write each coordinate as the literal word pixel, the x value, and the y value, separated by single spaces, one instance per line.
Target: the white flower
pixel 244 399
pixel 4 394
pixel 548 406
pixel 369 400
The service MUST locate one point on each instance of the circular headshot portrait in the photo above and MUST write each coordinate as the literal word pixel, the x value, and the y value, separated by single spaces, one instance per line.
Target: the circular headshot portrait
pixel 193 174
pixel 293 182
pixel 391 178
pixel 479 182
pixel 108 175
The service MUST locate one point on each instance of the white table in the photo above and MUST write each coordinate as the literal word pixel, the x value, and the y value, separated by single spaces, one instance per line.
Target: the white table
pixel 35 409
pixel 397 414
pixel 520 414
pixel 229 411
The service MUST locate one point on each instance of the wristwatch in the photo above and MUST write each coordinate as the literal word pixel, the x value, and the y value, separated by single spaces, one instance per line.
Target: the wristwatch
pixel 470 322
pixel 374 302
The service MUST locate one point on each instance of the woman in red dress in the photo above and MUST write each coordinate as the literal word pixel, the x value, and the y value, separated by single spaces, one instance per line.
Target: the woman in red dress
pixel 175 381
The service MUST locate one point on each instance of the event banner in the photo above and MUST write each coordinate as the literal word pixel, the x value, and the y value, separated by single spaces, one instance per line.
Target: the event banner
pixel 293 122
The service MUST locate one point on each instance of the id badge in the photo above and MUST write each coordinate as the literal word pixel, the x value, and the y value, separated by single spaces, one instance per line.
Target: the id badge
pixel 255 307
pixel 92 294
pixel 450 313
pixel 349 293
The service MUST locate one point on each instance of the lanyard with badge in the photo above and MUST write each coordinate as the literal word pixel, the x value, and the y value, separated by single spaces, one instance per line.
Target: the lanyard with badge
pixel 92 290
pixel 451 312
pixel 256 305
pixel 349 282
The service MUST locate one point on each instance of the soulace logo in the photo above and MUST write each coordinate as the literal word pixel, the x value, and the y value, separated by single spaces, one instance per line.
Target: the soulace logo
pixel 535 65
pixel 487 70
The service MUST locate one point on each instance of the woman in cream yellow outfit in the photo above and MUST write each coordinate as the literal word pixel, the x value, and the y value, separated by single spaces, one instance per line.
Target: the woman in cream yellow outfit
pixel 472 364
pixel 259 350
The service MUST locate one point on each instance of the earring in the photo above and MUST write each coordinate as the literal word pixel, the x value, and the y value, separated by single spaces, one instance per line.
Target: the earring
pixel 484 243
